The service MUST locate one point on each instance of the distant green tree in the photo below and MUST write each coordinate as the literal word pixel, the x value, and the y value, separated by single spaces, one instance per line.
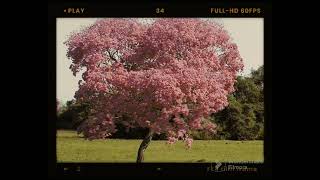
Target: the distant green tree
pixel 72 114
pixel 243 119
pixel 258 76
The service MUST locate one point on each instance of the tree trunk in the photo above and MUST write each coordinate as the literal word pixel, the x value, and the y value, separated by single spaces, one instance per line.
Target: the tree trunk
pixel 143 146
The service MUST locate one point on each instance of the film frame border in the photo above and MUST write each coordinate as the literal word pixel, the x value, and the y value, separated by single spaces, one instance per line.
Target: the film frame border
pixel 112 9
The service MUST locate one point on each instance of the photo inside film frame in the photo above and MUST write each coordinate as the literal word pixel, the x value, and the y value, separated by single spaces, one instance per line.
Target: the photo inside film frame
pixel 133 90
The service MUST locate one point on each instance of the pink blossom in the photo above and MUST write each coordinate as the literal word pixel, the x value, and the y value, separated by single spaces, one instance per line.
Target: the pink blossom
pixel 168 76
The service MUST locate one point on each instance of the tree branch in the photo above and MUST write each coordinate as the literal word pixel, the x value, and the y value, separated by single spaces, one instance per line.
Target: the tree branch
pixel 111 56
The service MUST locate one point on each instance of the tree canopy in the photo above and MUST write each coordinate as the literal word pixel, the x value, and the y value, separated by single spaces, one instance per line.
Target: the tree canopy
pixel 167 76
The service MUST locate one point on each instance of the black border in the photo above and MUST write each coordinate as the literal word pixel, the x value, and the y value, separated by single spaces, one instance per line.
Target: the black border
pixel 137 9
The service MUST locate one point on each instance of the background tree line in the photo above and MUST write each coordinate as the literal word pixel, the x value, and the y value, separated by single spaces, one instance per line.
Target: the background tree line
pixel 243 119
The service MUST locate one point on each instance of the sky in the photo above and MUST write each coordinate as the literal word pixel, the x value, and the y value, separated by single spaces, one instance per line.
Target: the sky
pixel 247 33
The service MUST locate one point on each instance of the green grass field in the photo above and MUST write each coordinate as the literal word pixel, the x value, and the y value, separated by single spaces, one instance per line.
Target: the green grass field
pixel 72 148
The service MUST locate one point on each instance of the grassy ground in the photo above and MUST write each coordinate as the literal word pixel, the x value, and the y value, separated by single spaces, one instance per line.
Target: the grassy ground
pixel 73 148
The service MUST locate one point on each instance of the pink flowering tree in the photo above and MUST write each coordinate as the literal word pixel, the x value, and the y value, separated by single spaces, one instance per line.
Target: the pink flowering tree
pixel 167 76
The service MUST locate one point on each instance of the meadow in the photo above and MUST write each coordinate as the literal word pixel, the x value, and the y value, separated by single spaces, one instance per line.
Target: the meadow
pixel 72 147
